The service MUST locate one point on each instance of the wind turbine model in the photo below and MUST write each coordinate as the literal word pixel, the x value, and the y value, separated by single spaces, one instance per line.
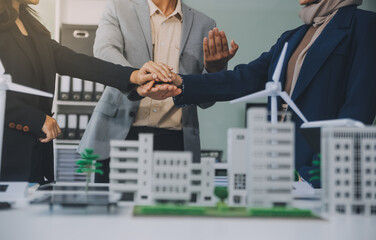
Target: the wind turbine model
pixel 6 84
pixel 274 89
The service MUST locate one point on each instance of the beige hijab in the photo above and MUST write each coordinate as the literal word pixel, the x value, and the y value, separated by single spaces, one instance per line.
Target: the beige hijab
pixel 319 15
pixel 316 12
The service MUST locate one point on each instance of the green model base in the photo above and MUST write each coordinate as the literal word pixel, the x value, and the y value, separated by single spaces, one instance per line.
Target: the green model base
pixel 176 210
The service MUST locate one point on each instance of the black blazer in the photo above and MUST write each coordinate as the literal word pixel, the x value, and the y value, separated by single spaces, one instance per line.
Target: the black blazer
pixel 24 158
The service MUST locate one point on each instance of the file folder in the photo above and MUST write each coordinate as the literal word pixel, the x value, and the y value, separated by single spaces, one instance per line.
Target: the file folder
pixel 76 89
pixel 62 122
pixel 64 88
pixel 83 121
pixel 88 91
pixel 72 126
pixel 99 88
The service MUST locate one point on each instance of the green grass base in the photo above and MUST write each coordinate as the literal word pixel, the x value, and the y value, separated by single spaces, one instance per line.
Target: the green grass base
pixel 177 210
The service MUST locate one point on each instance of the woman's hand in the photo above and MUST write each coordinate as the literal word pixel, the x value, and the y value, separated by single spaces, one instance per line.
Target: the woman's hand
pixel 51 129
pixel 151 71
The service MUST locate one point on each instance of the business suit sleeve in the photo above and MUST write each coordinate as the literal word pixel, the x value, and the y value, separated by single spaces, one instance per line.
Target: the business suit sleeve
pixel 360 93
pixel 20 113
pixel 81 66
pixel 226 85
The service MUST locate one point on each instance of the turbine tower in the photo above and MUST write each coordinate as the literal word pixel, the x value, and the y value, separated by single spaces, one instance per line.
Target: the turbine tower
pixel 5 85
pixel 274 89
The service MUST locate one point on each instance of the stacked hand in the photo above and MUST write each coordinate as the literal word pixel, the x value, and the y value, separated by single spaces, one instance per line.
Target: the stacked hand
pixel 158 81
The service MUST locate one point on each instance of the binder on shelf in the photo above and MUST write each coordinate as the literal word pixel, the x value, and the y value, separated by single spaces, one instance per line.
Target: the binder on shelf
pixel 72 126
pixel 62 122
pixel 83 121
pixel 99 88
pixel 88 91
pixel 76 89
pixel 64 88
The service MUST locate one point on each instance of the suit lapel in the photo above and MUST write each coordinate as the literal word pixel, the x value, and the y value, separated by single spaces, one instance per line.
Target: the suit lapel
pixel 142 11
pixel 24 46
pixel 324 45
pixel 46 58
pixel 187 25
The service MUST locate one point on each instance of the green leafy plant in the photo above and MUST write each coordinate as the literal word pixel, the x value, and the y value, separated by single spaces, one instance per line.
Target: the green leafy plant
pixel 87 164
pixel 315 174
pixel 222 194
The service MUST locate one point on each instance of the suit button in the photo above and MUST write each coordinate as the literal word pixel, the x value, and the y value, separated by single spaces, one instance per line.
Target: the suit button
pixel 132 114
pixel 12 125
pixel 19 127
pixel 26 128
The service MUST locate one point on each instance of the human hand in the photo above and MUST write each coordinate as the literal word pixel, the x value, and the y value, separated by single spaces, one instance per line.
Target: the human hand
pixel 51 129
pixel 151 71
pixel 158 91
pixel 216 52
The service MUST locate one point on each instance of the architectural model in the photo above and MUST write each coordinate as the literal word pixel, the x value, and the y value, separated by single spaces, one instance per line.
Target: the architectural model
pixel 151 177
pixel 349 170
pixel 261 162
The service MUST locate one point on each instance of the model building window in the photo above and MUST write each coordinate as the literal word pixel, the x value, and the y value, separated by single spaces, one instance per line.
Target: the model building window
pixel 373 210
pixel 346 159
pixel 237 199
pixel 240 137
pixel 358 209
pixel 368 195
pixel 239 181
pixel 338 158
pixel 341 209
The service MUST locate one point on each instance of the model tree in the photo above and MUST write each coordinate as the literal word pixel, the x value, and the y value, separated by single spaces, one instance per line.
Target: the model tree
pixel 315 174
pixel 222 194
pixel 87 164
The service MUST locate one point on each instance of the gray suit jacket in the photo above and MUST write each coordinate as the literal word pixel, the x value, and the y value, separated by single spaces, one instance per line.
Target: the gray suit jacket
pixel 124 37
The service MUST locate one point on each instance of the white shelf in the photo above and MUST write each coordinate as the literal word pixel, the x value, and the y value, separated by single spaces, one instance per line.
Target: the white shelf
pixel 76 103
pixel 67 142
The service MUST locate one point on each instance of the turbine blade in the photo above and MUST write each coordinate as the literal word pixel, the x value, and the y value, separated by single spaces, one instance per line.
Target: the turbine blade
pixel 278 68
pixel 291 104
pixel 19 88
pixel 263 93
pixel 2 69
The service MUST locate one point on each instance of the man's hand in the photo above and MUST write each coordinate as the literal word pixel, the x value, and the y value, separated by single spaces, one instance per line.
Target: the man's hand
pixel 216 52
pixel 151 71
pixel 51 129
pixel 159 91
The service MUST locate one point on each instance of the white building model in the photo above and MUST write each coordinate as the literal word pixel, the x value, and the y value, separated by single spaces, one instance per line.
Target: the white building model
pixel 148 177
pixel 349 170
pixel 261 162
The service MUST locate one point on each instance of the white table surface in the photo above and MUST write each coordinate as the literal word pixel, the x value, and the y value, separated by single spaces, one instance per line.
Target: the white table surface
pixel 37 222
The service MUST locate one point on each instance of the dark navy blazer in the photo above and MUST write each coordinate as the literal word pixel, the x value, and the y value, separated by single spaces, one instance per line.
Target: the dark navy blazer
pixel 337 79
